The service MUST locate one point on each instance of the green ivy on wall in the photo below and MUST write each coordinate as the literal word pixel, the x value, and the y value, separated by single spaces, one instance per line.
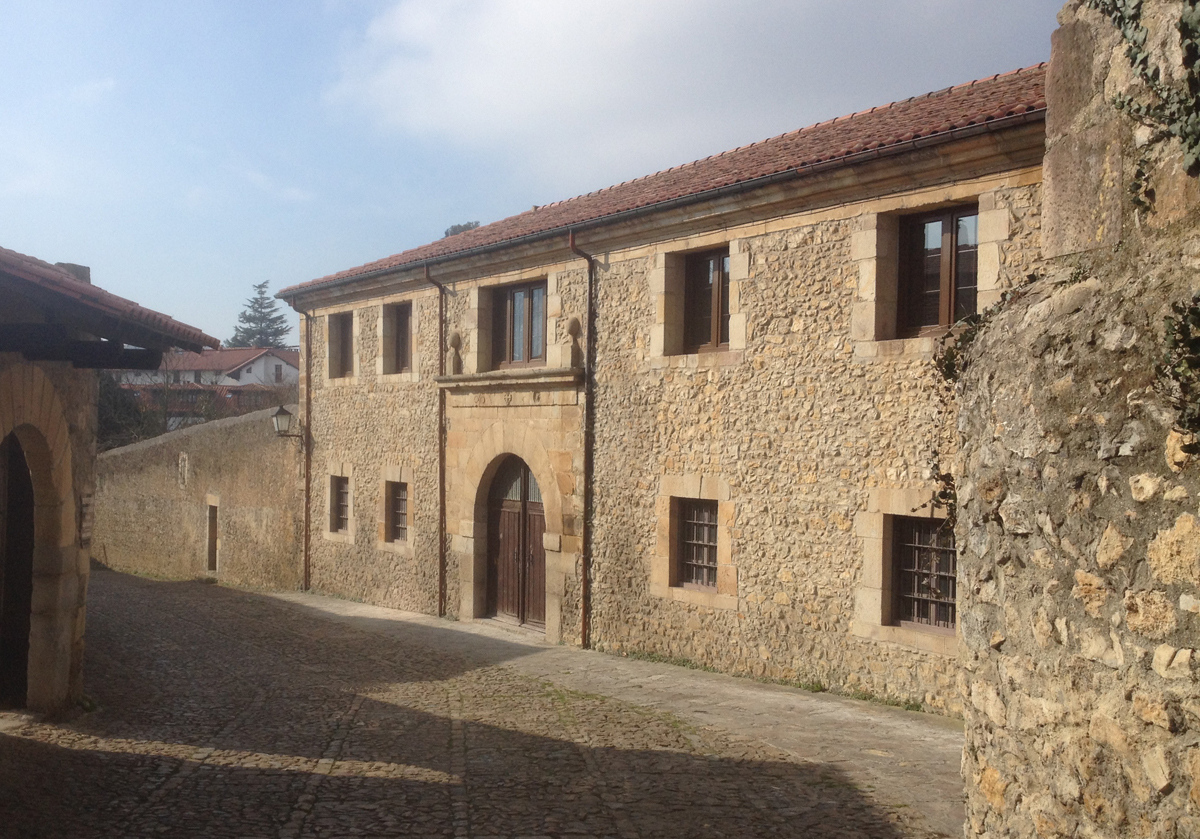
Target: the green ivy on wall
pixel 1174 111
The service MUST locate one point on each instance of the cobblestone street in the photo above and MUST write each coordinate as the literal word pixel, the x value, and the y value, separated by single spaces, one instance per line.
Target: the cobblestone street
pixel 227 713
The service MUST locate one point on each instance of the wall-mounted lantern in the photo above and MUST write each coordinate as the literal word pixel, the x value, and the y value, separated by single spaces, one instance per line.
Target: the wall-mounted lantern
pixel 283 420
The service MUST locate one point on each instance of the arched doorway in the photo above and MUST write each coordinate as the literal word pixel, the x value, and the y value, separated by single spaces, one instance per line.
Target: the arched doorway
pixel 16 572
pixel 516 573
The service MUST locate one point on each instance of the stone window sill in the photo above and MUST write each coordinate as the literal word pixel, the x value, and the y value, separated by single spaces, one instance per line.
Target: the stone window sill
pixel 921 347
pixel 699 361
pixel 706 599
pixel 399 548
pixel 938 643
pixel 528 377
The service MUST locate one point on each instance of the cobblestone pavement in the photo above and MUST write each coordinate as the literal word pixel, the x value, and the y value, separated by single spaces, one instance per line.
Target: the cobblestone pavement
pixel 226 713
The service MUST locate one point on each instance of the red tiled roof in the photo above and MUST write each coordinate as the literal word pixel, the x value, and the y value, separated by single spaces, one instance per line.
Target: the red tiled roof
pixel 108 315
pixel 941 115
pixel 223 360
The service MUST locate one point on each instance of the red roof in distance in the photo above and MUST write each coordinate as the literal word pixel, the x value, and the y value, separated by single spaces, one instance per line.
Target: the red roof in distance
pixel 1000 99
pixel 225 360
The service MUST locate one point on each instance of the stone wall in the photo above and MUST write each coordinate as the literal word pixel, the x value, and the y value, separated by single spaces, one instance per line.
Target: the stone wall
pixel 800 432
pixel 1080 556
pixel 152 504
pixel 361 426
pixel 51 408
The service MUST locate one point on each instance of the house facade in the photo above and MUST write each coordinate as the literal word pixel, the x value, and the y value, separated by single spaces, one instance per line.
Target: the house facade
pixel 694 415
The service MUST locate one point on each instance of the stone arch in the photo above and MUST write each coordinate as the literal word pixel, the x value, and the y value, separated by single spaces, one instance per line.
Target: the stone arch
pixel 31 410
pixel 500 440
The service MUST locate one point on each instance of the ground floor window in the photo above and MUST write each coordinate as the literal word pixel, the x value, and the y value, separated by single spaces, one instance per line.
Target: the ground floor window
pixel 339 504
pixel 924 573
pixel 697 551
pixel 396 525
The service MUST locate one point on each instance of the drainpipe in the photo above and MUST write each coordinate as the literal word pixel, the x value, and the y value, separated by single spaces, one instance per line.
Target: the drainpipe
pixel 589 398
pixel 441 443
pixel 306 442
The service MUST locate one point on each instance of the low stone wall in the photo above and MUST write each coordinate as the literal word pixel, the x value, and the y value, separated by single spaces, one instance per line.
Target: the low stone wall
pixel 152 504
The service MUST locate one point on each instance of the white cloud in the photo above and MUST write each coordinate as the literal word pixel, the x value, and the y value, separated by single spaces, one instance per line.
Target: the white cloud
pixel 615 88
pixel 268 185
pixel 90 93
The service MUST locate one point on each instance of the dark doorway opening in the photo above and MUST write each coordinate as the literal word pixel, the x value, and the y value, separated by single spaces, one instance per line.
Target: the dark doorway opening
pixel 516 575
pixel 212 538
pixel 16 572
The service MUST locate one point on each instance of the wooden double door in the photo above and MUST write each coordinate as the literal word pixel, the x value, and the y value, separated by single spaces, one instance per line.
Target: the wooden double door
pixel 516 574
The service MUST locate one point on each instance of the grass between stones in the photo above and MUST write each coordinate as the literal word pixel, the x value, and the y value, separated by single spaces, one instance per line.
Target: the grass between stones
pixel 810 686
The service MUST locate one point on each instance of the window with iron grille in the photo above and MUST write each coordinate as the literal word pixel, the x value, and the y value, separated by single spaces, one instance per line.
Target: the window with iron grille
pixel 706 301
pixel 697 528
pixel 339 504
pixel 924 568
pixel 938 269
pixel 397 511
pixel 519 325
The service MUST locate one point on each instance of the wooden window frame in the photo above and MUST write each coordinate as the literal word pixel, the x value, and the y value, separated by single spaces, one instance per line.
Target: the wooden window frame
pixel 503 329
pixel 341 345
pixel 717 305
pixel 339 504
pixel 914 604
pixel 396 511
pixel 400 349
pixel 702 512
pixel 909 274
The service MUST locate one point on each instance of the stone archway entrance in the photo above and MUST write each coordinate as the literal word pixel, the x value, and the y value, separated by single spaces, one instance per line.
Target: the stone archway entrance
pixel 16 572
pixel 516 568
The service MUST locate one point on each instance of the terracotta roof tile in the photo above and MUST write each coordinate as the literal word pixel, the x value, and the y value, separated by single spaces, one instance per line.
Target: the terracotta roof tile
pixel 1008 95
pixel 123 316
pixel 224 360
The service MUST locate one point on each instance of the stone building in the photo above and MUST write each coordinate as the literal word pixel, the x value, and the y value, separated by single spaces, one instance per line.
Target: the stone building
pixel 692 415
pixel 55 330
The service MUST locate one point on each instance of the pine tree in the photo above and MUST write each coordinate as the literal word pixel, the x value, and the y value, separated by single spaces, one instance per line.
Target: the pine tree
pixel 260 323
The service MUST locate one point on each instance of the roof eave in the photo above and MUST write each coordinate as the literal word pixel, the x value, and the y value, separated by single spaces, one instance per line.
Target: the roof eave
pixel 292 294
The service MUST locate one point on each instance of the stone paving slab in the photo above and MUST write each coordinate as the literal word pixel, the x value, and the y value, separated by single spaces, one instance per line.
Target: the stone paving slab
pixel 227 713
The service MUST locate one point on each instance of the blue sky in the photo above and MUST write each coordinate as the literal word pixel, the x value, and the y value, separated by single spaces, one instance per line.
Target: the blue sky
pixel 188 150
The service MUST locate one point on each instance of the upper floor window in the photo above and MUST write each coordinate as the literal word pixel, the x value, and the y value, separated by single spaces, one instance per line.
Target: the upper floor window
pixel 519 325
pixel 278 372
pixel 924 573
pixel 397 335
pixel 341 345
pixel 938 269
pixel 706 301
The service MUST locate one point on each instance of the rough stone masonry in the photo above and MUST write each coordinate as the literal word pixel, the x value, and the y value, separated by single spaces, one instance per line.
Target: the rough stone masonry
pixel 1080 552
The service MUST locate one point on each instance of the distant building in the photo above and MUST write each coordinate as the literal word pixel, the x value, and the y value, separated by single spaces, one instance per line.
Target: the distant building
pixel 233 367
pixel 193 387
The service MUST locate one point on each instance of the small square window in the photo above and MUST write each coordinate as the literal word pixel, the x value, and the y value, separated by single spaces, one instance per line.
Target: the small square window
pixel 341 345
pixel 339 504
pixel 519 325
pixel 696 559
pixel 396 524
pixel 924 568
pixel 706 301
pixel 397 350
pixel 938 269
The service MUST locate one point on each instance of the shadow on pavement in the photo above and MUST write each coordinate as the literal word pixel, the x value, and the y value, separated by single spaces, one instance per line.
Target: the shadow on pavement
pixel 219 706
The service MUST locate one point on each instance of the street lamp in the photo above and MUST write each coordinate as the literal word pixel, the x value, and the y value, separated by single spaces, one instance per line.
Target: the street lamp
pixel 283 421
